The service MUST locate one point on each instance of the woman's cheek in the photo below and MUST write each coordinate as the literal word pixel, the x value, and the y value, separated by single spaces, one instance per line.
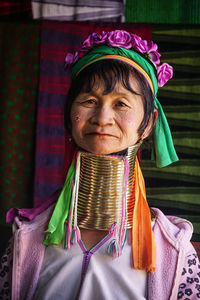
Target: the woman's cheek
pixel 132 119
pixel 127 119
pixel 76 115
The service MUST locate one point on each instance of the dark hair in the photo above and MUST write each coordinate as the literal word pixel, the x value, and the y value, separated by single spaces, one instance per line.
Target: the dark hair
pixel 109 72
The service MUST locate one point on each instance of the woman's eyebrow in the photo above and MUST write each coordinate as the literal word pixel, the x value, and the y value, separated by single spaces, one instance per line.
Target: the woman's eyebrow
pixel 129 94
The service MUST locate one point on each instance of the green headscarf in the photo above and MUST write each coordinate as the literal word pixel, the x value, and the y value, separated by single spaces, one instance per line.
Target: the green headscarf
pixel 163 151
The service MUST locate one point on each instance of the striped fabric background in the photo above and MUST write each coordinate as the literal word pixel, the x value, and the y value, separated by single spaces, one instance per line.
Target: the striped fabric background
pixel 176 189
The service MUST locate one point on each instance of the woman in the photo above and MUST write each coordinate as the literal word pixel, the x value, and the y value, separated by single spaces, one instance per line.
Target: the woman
pixel 101 240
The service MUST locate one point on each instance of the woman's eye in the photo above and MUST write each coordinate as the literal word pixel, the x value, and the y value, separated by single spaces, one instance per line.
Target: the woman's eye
pixel 121 104
pixel 89 102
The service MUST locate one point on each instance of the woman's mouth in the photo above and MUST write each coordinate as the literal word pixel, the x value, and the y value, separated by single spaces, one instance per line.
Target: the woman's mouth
pixel 100 134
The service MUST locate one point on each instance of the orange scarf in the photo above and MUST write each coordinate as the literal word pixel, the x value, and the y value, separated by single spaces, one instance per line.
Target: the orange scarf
pixel 143 243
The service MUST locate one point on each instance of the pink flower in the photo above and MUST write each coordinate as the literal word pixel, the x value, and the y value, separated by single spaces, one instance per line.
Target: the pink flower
pixel 153 54
pixel 164 73
pixel 94 39
pixel 120 38
pixel 70 59
pixel 139 44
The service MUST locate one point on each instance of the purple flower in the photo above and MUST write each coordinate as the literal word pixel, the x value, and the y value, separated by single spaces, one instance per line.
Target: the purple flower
pixel 139 44
pixel 88 43
pixel 70 59
pixel 152 50
pixel 99 38
pixel 94 39
pixel 164 73
pixel 120 38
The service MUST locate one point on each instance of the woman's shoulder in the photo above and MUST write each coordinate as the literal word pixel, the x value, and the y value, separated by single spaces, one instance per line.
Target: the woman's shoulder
pixel 176 230
pixel 38 221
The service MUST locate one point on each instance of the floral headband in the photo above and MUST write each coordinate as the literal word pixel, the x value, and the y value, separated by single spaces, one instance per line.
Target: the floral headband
pixel 144 57
pixel 126 40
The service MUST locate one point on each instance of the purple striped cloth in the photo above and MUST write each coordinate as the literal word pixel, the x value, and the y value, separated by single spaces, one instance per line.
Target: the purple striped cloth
pixel 79 10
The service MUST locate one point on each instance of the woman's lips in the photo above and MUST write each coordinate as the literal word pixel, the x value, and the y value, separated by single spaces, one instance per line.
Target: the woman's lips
pixel 100 134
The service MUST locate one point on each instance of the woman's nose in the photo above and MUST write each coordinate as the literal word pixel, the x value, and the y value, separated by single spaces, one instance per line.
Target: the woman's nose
pixel 103 115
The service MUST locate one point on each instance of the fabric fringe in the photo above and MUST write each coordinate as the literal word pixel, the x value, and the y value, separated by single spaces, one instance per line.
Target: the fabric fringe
pixel 115 247
pixel 73 233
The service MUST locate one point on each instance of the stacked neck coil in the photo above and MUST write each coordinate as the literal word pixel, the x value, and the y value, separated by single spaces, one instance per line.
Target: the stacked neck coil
pixel 101 190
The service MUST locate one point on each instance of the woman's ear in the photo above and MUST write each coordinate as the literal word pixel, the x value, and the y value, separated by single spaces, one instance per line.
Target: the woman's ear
pixel 151 124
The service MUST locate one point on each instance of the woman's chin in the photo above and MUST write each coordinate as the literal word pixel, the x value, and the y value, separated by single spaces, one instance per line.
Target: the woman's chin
pixel 102 150
pixel 101 146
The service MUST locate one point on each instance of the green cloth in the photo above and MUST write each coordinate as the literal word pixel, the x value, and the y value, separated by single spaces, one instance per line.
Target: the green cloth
pixel 163 151
pixel 163 12
pixel 55 231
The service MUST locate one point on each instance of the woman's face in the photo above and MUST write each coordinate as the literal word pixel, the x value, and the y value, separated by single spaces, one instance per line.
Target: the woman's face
pixel 104 124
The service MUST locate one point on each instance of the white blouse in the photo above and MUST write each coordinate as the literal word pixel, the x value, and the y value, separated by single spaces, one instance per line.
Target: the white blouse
pixel 80 274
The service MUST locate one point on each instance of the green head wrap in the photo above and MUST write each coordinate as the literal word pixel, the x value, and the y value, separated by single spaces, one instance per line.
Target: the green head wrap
pixel 163 151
